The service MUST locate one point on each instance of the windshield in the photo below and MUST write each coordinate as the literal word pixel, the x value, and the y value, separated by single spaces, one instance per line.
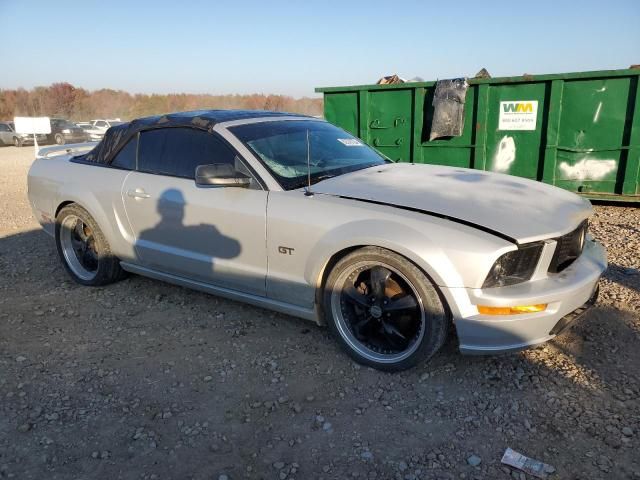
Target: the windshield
pixel 63 124
pixel 282 146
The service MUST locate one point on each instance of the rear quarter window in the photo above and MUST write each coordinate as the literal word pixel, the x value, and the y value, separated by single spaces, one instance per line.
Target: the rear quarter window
pixel 126 158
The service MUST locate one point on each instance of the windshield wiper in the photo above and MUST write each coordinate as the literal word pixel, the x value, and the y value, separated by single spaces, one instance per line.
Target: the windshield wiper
pixel 314 180
pixel 323 177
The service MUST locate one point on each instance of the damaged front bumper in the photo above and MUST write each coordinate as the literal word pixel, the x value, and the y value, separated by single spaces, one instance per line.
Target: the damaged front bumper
pixel 568 295
pixel 566 321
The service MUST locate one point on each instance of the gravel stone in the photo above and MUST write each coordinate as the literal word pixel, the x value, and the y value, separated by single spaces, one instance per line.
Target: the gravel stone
pixel 366 455
pixel 474 460
pixel 25 427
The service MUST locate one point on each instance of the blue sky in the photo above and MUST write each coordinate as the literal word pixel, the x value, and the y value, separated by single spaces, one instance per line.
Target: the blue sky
pixel 292 47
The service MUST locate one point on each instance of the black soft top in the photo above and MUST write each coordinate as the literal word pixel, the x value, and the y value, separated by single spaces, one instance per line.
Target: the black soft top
pixel 117 136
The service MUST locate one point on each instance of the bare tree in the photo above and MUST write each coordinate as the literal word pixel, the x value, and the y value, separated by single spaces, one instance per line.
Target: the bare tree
pixel 64 100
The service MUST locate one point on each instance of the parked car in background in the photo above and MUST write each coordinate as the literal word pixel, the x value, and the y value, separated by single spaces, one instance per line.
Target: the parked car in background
pixel 8 136
pixel 294 214
pixel 64 131
pixel 94 134
pixel 99 127
pixel 106 124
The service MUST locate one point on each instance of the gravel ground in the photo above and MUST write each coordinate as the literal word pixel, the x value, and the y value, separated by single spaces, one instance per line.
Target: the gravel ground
pixel 144 380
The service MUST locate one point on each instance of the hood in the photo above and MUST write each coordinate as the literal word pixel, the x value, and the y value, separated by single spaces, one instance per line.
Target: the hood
pixel 517 208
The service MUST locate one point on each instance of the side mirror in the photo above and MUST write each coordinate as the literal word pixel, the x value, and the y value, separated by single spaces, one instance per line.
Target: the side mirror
pixel 220 175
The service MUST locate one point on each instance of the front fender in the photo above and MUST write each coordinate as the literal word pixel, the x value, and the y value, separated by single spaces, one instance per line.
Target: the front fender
pixel 319 227
pixel 395 236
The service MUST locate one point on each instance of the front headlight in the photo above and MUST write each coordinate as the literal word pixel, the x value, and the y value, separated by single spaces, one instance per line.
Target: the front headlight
pixel 514 267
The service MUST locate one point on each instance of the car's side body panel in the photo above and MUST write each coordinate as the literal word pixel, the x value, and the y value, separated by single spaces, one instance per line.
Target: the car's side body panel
pixel 213 235
pixel 96 189
pixel 240 296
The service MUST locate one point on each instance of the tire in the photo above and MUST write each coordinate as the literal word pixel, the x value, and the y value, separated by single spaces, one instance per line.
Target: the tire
pixel 17 142
pixel 93 264
pixel 59 139
pixel 408 322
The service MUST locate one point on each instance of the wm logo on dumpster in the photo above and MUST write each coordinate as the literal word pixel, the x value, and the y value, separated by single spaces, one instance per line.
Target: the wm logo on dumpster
pixel 517 107
pixel 518 115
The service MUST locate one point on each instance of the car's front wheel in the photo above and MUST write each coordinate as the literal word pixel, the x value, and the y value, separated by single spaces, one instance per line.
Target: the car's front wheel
pixel 384 310
pixel 17 142
pixel 83 249
pixel 59 139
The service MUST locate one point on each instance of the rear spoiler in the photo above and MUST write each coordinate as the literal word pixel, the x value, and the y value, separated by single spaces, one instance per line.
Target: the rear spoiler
pixel 72 149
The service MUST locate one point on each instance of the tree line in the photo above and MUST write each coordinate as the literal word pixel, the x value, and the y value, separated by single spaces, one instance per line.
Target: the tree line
pixel 63 100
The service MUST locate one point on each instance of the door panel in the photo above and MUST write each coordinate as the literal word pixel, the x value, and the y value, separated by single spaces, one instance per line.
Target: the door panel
pixel 512 150
pixel 389 128
pixel 215 235
pixel 342 110
pixel 590 140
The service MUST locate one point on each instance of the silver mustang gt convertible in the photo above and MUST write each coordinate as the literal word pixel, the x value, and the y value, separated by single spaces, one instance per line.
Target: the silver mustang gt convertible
pixel 296 215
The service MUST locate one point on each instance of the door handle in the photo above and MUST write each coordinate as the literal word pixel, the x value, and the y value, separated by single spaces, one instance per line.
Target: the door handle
pixel 138 193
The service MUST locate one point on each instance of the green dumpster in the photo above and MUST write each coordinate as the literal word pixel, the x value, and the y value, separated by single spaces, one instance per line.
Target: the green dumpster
pixel 578 131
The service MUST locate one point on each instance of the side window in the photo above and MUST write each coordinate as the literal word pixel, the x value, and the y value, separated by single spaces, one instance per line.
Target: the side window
pixel 178 151
pixel 101 124
pixel 126 158
pixel 4 128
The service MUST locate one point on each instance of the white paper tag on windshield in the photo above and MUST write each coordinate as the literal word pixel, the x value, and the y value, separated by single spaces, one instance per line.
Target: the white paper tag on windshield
pixel 350 142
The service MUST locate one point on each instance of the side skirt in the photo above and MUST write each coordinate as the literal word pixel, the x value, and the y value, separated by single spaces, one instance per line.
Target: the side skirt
pixel 282 307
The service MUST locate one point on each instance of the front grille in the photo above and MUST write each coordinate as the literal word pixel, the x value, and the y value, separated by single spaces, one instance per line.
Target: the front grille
pixel 569 248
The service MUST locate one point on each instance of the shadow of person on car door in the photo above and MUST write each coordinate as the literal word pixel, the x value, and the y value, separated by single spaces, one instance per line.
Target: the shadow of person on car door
pixel 175 247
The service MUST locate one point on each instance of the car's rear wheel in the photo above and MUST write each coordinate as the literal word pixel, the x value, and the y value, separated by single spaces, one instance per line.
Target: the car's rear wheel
pixel 17 142
pixel 59 139
pixel 83 249
pixel 384 310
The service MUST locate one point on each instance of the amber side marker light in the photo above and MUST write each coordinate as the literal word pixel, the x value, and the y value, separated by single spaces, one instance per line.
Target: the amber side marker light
pixel 484 310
